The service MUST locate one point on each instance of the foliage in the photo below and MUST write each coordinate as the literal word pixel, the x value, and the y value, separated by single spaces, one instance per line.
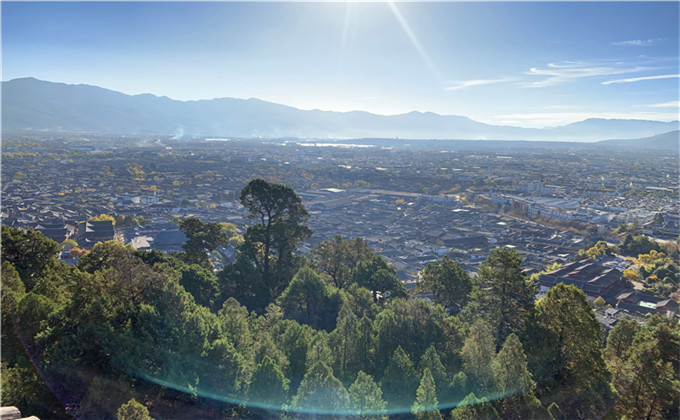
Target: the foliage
pixel 201 238
pixel 509 301
pixel 269 244
pixel 337 257
pixel 399 381
pixel 426 405
pixel 646 369
pixel 447 281
pixel 30 252
pixel 378 277
pixel 366 398
pixel 309 300
pixel 636 245
pixel 566 350
pixel 133 410
pixel 473 408
pixel 320 391
pixel 102 218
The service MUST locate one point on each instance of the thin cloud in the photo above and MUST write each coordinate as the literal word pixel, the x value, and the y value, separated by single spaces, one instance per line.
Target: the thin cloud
pixel 671 104
pixel 554 119
pixel 471 83
pixel 639 79
pixel 639 42
pixel 555 74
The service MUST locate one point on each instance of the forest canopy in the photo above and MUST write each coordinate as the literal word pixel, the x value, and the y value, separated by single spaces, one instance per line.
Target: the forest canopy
pixel 280 334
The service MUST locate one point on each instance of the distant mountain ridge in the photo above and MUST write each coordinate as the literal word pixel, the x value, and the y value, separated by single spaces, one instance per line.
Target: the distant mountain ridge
pixel 36 105
pixel 664 141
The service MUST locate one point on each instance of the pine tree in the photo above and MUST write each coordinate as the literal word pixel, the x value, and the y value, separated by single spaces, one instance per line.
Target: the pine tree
pixel 566 348
pixel 431 360
pixel 510 301
pixel 398 382
pixel 426 405
pixel 513 383
pixel 472 408
pixel 477 353
pixel 366 398
pixel 653 356
pixel 268 386
pixel 321 392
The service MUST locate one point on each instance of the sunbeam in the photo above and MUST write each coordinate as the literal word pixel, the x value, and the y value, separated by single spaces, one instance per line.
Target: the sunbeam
pixel 414 40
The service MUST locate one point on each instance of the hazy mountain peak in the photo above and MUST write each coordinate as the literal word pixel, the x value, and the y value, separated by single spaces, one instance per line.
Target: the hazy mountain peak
pixel 32 104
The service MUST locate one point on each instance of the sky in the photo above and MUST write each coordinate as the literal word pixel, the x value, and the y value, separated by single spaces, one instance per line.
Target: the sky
pixel 526 64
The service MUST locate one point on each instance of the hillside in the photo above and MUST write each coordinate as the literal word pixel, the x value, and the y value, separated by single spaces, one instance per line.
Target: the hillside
pixel 34 105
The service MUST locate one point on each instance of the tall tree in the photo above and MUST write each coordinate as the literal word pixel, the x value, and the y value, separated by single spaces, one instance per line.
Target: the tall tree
pixel 447 281
pixel 566 348
pixel 366 398
pixel 400 381
pixel 477 354
pixel 379 277
pixel 617 351
pixel 473 408
pixel 201 239
pixel 513 383
pixel 337 257
pixel 426 405
pixel 431 360
pixel 321 392
pixel 270 243
pixel 343 342
pixel 653 389
pixel 309 300
pixel 268 386
pixel 29 251
pixel 511 296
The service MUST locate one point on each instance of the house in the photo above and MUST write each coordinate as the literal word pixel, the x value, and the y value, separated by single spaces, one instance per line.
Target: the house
pixel 595 279
pixel 169 241
pixel 91 232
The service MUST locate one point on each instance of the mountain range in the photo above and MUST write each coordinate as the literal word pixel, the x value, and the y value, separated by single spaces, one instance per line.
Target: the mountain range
pixel 30 104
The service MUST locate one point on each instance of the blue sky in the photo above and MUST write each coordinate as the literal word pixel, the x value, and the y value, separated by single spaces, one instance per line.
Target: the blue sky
pixel 517 63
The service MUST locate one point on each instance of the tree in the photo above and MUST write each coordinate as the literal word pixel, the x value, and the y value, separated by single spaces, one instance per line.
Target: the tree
pixel 599 303
pixel 510 299
pixel 566 349
pixel 102 218
pixel 201 283
pixel 431 360
pixel 268 386
pixel 308 300
pixel 201 239
pixel 619 344
pixel 343 340
pixel 337 257
pixel 473 408
pixel 30 252
pixel 652 364
pixel 636 245
pixel 449 283
pixel 513 383
pixel 425 407
pixel 378 277
pixel 270 243
pixel 366 398
pixel 321 392
pixel 477 354
pixel 68 244
pixel 399 381
pixel 132 410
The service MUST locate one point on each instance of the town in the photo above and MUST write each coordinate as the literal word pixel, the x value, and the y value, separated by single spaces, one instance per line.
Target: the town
pixel 412 203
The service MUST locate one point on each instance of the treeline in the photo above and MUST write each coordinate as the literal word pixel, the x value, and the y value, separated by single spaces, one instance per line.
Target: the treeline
pixel 277 334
